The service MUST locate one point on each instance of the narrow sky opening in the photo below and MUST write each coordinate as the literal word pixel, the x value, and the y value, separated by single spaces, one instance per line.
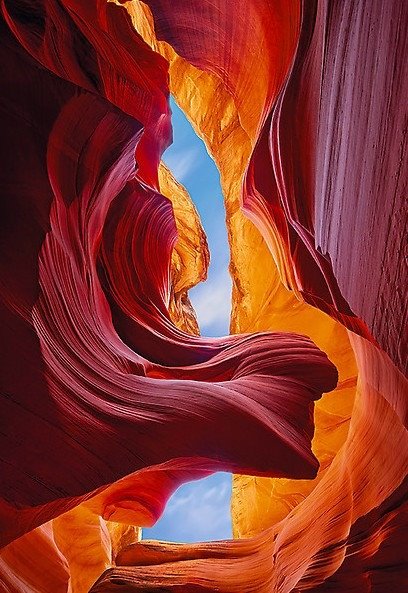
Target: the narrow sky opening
pixel 192 166
pixel 197 512
pixel 200 510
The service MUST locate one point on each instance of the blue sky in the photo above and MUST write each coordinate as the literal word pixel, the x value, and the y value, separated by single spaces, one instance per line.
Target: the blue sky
pixel 199 511
pixel 190 163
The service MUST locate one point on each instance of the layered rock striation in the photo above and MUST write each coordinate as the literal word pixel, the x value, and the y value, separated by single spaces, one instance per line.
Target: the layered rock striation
pixel 110 398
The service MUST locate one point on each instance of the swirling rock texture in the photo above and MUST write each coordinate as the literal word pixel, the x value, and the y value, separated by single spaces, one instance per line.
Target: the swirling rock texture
pixel 110 399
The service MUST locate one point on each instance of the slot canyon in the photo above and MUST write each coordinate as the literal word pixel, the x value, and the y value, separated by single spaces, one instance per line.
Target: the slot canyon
pixel 110 397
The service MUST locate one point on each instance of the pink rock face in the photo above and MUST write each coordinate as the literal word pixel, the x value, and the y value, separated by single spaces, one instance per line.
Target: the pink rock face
pixel 104 400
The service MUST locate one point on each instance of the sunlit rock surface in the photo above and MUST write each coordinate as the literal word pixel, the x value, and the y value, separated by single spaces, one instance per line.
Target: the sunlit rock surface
pixel 111 400
pixel 190 255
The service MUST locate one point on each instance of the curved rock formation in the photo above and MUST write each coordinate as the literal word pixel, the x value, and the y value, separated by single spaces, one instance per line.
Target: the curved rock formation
pixel 110 399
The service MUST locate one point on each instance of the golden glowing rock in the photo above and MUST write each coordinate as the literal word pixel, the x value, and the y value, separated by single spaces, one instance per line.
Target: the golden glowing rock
pixel 190 256
pixel 84 540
